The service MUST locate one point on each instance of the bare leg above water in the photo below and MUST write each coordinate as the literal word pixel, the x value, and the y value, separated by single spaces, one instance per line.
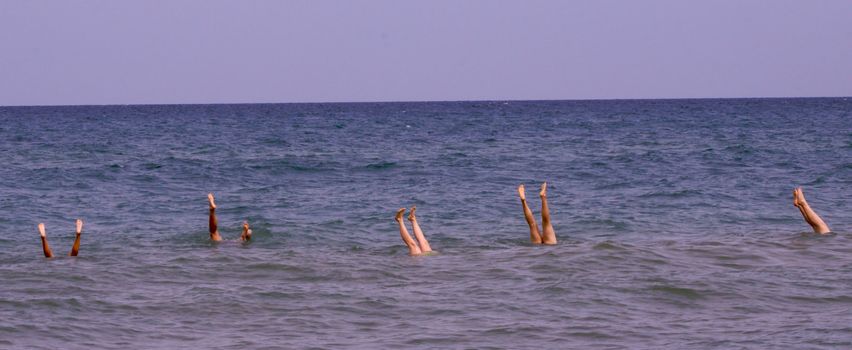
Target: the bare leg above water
pixel 214 228
pixel 76 248
pixel 413 249
pixel 44 246
pixel 809 214
pixel 418 233
pixel 246 236
pixel 549 236
pixel 535 236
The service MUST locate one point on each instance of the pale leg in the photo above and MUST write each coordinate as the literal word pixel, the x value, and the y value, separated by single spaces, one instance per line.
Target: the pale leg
pixel 44 246
pixel 418 233
pixel 413 249
pixel 535 236
pixel 76 248
pixel 214 228
pixel 809 214
pixel 549 236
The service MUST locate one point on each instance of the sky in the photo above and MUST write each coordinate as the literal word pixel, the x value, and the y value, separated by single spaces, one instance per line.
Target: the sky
pixel 210 51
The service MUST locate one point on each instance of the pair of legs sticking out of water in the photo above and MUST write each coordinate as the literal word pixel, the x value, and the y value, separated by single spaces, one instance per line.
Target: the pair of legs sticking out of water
pixel 547 235
pixel 48 253
pixel 421 247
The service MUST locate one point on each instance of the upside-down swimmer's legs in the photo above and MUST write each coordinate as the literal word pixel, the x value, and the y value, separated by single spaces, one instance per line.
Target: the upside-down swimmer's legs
pixel 548 236
pixel 809 214
pixel 76 247
pixel 214 228
pixel 44 246
pixel 413 249
pixel 535 236
pixel 418 233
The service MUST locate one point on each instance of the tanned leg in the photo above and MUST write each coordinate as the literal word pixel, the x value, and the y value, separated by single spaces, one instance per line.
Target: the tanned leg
pixel 535 237
pixel 413 249
pixel 46 247
pixel 809 214
pixel 246 236
pixel 214 228
pixel 76 248
pixel 418 233
pixel 549 236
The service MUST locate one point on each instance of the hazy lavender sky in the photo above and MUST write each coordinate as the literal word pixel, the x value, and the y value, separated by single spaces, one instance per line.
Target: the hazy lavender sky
pixel 203 51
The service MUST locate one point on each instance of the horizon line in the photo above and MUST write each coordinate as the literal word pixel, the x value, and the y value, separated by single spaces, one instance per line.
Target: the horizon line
pixel 430 101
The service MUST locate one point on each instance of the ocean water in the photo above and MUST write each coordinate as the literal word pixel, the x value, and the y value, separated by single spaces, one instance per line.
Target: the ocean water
pixel 675 220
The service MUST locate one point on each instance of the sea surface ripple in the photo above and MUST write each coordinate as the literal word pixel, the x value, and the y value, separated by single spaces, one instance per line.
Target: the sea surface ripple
pixel 675 220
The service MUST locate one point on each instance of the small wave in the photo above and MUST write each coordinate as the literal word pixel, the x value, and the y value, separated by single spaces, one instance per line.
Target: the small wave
pixel 275 142
pixel 609 224
pixel 818 181
pixel 277 295
pixel 284 165
pixel 307 168
pixel 613 186
pixel 671 194
pixel 381 166
pixel 514 329
pixel 590 335
pixel 688 293
pixel 844 299
pixel 607 245
pixel 274 267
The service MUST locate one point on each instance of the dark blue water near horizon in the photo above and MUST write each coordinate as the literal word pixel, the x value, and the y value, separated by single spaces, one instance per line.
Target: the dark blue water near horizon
pixel 675 220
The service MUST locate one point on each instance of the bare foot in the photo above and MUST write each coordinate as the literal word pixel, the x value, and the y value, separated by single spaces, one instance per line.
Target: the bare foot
pixel 799 197
pixel 399 214
pixel 210 199
pixel 246 236
pixel 46 247
pixel 521 192
pixel 79 226
pixel 543 192
pixel 411 216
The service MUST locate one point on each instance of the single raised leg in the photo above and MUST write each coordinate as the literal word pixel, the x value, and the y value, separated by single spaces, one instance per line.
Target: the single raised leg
pixel 44 246
pixel 413 249
pixel 246 236
pixel 214 228
pixel 809 214
pixel 535 236
pixel 418 233
pixel 76 247
pixel 549 236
